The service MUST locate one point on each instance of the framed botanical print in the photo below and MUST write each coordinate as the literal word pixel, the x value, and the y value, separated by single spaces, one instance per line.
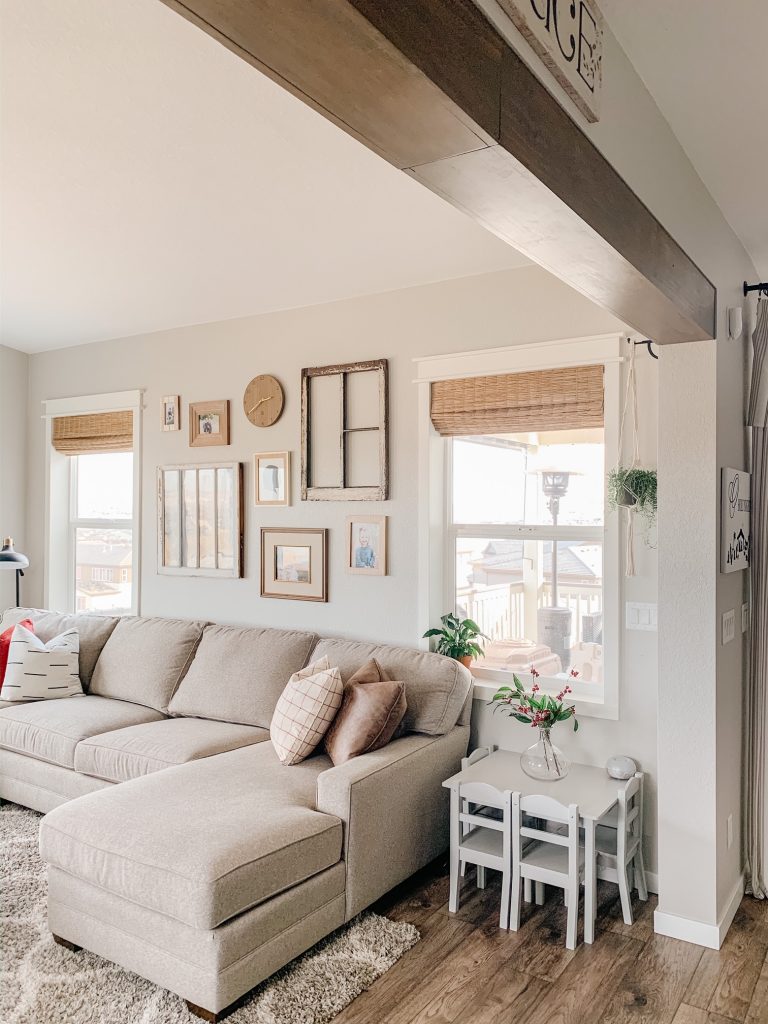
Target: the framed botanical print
pixel 171 412
pixel 208 423
pixel 200 519
pixel 272 478
pixel 367 545
pixel 294 563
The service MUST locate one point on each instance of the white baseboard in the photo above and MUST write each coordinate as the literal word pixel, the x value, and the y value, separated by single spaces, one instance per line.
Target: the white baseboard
pixel 701 934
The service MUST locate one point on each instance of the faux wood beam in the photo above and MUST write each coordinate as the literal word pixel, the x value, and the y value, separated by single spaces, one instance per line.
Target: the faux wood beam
pixel 433 88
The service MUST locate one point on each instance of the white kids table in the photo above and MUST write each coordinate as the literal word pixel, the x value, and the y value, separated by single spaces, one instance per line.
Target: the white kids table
pixel 591 788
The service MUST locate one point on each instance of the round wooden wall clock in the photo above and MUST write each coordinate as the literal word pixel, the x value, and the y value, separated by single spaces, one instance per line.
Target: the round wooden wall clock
pixel 263 400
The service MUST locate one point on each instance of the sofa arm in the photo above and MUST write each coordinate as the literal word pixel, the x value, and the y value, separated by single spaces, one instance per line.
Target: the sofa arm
pixel 394 809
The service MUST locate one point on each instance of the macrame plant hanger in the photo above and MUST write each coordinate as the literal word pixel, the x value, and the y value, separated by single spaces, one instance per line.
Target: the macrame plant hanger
pixel 630 402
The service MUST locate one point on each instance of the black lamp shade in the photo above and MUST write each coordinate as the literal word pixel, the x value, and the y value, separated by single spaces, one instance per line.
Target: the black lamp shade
pixel 10 559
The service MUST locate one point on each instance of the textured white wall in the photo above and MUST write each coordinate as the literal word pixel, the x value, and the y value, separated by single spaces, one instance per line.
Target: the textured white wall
pixel 13 471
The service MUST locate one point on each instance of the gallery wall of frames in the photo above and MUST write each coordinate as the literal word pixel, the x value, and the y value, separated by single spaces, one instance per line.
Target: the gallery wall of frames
pixel 343 457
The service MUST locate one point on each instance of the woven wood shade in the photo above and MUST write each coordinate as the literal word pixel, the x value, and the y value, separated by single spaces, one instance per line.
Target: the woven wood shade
pixel 566 398
pixel 99 432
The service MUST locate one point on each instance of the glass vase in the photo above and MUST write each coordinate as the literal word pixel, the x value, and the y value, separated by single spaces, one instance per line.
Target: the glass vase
pixel 544 761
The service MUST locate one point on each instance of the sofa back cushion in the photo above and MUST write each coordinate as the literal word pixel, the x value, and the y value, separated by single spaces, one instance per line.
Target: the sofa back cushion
pixel 145 659
pixel 94 631
pixel 238 674
pixel 436 688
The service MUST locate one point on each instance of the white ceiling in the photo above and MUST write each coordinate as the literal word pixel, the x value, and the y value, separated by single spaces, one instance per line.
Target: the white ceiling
pixel 705 63
pixel 151 179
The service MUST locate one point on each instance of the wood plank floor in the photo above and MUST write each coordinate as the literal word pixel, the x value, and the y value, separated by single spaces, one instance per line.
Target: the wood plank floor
pixel 466 971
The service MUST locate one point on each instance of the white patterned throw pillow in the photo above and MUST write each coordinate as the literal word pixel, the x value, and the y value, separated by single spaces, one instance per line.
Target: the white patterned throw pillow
pixel 305 710
pixel 40 671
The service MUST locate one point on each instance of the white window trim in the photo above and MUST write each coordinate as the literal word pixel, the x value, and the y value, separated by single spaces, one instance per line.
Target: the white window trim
pixel 433 574
pixel 58 583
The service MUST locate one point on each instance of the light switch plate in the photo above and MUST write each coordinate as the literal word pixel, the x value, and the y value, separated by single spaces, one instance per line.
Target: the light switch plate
pixel 641 616
pixel 729 626
pixel 744 617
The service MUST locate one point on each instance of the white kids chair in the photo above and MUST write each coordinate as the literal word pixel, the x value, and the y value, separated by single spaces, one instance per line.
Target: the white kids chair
pixel 619 845
pixel 550 858
pixel 487 841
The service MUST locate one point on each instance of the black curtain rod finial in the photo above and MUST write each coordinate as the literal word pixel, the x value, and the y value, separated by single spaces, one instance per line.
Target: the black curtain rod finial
pixel 761 287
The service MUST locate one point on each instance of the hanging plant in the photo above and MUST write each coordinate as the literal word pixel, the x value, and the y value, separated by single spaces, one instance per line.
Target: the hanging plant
pixel 633 488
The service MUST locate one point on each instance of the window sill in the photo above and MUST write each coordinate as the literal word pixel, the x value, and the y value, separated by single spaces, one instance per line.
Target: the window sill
pixel 586 707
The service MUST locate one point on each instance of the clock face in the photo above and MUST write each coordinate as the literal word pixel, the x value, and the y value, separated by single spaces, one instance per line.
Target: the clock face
pixel 263 400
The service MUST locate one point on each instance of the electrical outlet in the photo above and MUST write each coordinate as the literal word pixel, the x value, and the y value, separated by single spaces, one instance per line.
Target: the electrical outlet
pixel 729 626
pixel 729 830
pixel 744 617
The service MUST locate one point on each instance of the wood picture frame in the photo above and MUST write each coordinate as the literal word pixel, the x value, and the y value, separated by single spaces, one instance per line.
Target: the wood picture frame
pixel 200 519
pixel 294 563
pixel 337 466
pixel 278 466
pixel 171 419
pixel 208 423
pixel 367 545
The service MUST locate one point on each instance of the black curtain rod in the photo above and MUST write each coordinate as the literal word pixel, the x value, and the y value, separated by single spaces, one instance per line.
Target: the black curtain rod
pixel 761 287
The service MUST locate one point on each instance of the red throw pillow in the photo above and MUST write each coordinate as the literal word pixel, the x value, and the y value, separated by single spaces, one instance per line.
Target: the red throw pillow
pixel 5 645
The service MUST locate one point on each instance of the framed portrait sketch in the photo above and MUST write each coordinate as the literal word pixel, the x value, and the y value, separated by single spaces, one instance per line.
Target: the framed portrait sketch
pixel 294 563
pixel 171 412
pixel 208 423
pixel 367 545
pixel 272 478
pixel 200 520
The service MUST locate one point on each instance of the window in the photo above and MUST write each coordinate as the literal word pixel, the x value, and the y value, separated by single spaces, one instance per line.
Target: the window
pixel 92 510
pixel 525 542
pixel 514 444
pixel 101 531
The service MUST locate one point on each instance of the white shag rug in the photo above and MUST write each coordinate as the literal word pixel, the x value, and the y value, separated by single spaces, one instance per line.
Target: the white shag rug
pixel 43 983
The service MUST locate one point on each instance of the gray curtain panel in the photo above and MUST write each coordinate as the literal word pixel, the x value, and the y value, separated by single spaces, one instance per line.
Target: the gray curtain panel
pixel 756 804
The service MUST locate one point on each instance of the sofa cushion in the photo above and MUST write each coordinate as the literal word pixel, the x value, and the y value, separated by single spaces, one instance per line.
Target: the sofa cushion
pixel 371 709
pixel 145 659
pixel 306 708
pixel 200 842
pixel 140 749
pixel 436 688
pixel 238 674
pixel 51 729
pixel 94 632
pixel 42 671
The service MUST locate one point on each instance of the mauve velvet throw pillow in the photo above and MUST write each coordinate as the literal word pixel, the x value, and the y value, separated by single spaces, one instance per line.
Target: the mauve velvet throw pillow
pixel 371 710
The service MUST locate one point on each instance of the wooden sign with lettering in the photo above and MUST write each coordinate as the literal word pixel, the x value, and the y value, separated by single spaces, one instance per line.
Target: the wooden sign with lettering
pixel 568 37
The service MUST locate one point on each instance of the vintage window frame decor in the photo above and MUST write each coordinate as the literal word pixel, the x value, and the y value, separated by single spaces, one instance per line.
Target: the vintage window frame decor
pixel 197 439
pixel 316 589
pixel 375 492
pixel 257 457
pixel 175 401
pixel 236 570
pixel 381 567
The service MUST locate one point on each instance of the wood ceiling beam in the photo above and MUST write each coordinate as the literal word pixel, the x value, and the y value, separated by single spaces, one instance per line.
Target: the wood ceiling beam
pixel 431 87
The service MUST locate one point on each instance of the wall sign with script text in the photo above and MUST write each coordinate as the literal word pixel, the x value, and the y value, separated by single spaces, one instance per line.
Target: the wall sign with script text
pixel 568 37
pixel 735 508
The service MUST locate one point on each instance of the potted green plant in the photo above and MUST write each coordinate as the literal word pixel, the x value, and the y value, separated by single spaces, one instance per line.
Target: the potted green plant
pixel 633 488
pixel 458 639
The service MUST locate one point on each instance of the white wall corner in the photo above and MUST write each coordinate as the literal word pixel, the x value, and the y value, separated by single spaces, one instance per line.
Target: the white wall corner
pixel 710 935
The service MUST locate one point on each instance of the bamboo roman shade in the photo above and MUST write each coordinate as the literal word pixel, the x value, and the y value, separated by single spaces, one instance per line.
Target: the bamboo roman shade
pixel 96 433
pixel 565 398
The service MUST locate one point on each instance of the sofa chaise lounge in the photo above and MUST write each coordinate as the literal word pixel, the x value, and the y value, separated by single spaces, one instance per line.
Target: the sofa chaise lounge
pixel 177 845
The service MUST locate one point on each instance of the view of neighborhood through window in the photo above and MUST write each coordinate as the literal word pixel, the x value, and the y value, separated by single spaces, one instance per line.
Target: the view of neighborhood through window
pixel 102 532
pixel 527 524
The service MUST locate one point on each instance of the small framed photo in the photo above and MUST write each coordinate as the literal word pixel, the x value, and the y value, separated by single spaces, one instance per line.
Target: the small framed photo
pixel 294 563
pixel 208 423
pixel 171 405
pixel 367 545
pixel 272 478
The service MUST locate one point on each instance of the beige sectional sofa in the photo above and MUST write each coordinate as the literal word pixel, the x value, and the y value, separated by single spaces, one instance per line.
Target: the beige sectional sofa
pixel 177 844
